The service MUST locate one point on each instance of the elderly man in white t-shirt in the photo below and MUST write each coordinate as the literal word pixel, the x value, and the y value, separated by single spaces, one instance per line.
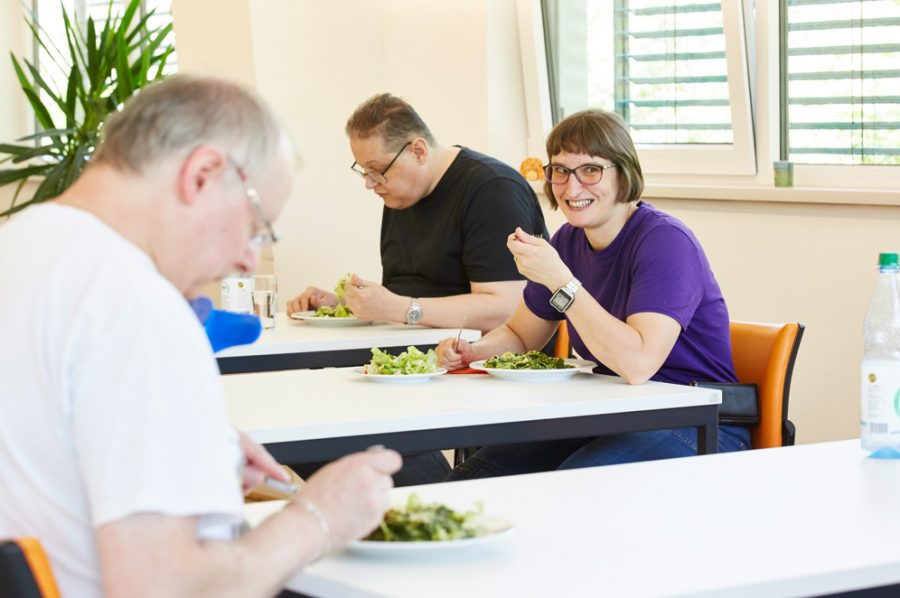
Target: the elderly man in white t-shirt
pixel 115 450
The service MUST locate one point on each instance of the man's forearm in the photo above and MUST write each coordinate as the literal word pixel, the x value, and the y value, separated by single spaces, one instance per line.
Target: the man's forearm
pixel 154 555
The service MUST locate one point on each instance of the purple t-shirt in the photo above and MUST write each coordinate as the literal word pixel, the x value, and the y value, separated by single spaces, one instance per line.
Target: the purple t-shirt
pixel 655 264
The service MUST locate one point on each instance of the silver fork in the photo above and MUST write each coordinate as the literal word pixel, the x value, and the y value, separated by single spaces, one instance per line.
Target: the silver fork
pixel 459 335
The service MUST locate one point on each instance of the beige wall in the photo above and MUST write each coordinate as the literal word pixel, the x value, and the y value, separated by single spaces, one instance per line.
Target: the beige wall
pixel 457 62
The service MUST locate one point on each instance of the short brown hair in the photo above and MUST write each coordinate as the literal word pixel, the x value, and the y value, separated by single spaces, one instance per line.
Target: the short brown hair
pixel 602 134
pixel 185 111
pixel 389 116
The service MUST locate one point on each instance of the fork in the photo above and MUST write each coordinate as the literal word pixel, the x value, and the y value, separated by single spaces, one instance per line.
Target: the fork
pixel 459 335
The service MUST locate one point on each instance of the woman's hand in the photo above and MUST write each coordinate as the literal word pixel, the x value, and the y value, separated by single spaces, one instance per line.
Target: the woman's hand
pixel 454 353
pixel 538 261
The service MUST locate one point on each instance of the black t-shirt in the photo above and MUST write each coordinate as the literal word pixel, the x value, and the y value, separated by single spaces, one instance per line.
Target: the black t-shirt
pixel 457 234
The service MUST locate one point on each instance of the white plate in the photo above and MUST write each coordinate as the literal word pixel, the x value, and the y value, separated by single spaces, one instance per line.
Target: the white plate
pixel 398 378
pixel 497 530
pixel 310 318
pixel 581 365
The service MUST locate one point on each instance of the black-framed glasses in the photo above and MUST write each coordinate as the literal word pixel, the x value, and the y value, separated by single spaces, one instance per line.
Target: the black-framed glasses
pixel 586 174
pixel 377 177
pixel 267 236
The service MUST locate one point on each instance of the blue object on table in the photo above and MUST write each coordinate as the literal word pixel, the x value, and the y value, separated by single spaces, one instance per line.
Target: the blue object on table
pixel 224 328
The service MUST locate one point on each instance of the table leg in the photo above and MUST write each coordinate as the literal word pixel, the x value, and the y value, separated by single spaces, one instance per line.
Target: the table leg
pixel 708 435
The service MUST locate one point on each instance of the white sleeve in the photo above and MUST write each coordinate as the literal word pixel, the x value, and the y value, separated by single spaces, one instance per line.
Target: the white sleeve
pixel 149 420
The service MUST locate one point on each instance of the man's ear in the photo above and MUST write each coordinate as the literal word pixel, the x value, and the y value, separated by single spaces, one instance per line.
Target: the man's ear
pixel 420 149
pixel 200 168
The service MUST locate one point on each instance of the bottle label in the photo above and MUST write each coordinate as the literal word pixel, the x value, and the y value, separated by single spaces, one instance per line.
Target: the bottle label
pixel 880 408
pixel 237 294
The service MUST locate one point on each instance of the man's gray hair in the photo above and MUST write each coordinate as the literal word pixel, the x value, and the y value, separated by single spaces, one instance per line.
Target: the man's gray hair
pixel 187 111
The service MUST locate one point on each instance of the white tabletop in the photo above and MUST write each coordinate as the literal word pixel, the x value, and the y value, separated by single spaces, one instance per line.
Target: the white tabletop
pixel 297 336
pixel 296 405
pixel 793 521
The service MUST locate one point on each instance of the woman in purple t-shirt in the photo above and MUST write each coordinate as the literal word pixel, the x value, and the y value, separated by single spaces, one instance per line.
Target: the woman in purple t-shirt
pixel 634 286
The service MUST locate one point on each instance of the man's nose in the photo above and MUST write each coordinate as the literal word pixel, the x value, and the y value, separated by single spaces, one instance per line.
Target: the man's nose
pixel 249 259
pixel 370 184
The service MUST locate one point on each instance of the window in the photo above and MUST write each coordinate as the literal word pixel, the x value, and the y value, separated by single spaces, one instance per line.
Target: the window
pixel 665 66
pixel 842 98
pixel 715 91
pixel 49 18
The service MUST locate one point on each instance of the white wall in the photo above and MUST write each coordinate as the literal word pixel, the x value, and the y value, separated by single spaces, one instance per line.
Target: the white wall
pixel 316 61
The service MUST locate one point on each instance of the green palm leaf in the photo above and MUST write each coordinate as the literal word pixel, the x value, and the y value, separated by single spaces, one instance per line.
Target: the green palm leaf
pixel 103 66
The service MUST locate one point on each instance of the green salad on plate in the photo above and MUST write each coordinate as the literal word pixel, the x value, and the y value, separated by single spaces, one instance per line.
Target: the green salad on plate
pixel 533 360
pixel 421 522
pixel 340 310
pixel 411 361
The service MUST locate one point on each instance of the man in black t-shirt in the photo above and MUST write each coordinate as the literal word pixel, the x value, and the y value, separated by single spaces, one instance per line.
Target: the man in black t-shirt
pixel 447 214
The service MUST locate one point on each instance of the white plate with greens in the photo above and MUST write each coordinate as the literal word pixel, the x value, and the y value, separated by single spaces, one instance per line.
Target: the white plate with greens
pixel 312 319
pixel 494 530
pixel 526 375
pixel 398 378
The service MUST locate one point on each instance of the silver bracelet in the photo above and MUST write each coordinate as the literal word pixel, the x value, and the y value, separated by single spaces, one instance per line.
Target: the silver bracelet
pixel 313 510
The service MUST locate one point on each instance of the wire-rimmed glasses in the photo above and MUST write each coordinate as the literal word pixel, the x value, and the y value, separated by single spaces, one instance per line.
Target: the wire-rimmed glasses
pixel 267 235
pixel 377 177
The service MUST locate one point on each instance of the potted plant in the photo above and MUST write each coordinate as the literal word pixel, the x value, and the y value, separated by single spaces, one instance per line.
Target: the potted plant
pixel 105 67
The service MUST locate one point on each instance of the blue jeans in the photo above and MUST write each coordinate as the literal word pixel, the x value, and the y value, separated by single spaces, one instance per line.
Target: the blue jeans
pixel 512 459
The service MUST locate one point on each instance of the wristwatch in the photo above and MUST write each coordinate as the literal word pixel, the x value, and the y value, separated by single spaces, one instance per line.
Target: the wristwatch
pixel 414 313
pixel 562 299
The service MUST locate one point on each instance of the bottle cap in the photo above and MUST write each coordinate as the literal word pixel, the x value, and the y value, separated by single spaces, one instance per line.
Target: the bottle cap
pixel 888 259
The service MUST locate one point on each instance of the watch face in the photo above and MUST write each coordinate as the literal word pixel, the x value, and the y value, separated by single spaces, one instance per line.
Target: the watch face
pixel 560 300
pixel 414 315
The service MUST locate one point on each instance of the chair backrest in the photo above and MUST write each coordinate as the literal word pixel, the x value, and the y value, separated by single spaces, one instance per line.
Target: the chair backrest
pixel 25 570
pixel 562 347
pixel 764 355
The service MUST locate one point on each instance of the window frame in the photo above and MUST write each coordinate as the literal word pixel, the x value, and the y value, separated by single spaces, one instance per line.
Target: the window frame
pixel 715 177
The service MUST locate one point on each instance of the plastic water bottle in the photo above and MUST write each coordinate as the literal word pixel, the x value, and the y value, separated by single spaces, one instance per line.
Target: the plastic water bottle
pixel 880 393
pixel 237 294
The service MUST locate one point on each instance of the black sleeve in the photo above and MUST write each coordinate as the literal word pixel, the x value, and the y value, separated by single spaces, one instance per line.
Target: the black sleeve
pixel 495 210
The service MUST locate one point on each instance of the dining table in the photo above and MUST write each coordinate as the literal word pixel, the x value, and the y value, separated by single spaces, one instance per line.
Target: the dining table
pixel 305 416
pixel 294 344
pixel 809 520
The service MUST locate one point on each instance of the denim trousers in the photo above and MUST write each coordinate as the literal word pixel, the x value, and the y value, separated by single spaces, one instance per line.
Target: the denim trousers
pixel 532 457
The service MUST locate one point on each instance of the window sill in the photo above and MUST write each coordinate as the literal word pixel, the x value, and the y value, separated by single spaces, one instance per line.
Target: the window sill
pixel 812 195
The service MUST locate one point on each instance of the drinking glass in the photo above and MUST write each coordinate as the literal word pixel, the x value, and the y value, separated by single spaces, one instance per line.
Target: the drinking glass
pixel 265 289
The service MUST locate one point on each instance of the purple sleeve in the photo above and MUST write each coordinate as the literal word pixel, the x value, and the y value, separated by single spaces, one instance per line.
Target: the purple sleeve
pixel 667 276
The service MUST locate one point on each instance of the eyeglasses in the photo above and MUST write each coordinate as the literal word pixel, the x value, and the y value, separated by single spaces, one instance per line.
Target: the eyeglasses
pixel 267 236
pixel 377 177
pixel 586 174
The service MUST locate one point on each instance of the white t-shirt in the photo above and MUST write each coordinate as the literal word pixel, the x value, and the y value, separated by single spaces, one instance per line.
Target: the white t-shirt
pixel 110 398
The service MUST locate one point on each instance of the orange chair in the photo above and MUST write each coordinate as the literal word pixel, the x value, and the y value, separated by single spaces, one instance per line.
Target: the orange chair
pixel 562 347
pixel 25 571
pixel 764 355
